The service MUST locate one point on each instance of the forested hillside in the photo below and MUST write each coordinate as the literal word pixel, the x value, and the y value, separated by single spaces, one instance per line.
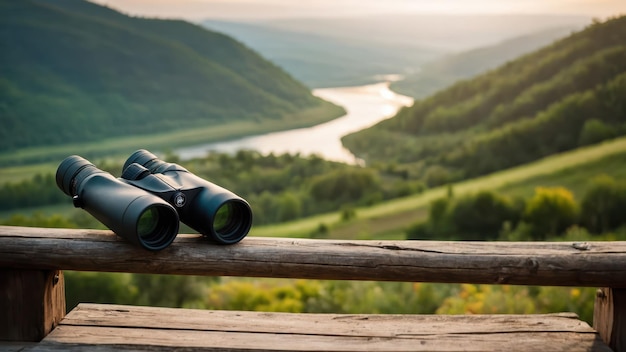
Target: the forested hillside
pixel 73 71
pixel 565 95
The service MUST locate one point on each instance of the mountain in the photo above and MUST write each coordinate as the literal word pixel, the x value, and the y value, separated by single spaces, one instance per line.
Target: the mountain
pixel 568 94
pixel 324 52
pixel 443 72
pixel 72 71
pixel 326 60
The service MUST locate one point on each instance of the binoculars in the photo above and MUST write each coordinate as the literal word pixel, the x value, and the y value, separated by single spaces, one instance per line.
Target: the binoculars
pixel 146 203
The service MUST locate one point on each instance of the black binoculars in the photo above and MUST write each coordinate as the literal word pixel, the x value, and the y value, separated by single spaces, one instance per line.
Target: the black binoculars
pixel 146 204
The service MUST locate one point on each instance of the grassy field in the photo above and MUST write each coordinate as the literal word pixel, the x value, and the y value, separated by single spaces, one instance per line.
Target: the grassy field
pixel 389 219
pixel 15 165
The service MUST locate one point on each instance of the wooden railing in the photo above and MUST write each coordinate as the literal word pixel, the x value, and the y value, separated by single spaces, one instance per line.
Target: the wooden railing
pixel 32 260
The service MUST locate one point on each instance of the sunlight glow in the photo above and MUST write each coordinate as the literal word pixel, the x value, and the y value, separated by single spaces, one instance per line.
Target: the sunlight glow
pixel 272 9
pixel 386 93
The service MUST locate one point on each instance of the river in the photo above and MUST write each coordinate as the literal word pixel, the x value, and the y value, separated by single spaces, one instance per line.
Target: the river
pixel 365 106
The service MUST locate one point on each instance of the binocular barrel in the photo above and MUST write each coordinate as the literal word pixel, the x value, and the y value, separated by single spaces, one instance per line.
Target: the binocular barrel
pixel 132 213
pixel 211 210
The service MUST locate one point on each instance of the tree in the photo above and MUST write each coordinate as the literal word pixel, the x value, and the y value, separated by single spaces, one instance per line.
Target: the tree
pixel 551 211
pixel 289 207
pixel 603 205
pixel 481 216
pixel 595 131
pixel 349 185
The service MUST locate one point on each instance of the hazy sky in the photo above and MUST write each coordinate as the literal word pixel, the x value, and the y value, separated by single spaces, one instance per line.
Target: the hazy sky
pixel 264 9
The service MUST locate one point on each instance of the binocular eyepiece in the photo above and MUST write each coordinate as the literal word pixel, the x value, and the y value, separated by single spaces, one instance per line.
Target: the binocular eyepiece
pixel 146 203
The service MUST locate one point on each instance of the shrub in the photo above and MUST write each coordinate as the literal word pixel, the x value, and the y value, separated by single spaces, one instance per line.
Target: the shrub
pixel 550 212
pixel 603 205
pixel 481 216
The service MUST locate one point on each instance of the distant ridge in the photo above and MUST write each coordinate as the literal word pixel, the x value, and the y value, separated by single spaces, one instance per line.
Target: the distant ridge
pixel 73 71
pixel 325 60
pixel 445 71
pixel 344 51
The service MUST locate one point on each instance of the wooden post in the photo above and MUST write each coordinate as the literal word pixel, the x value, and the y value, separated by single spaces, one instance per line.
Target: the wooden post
pixel 609 317
pixel 32 302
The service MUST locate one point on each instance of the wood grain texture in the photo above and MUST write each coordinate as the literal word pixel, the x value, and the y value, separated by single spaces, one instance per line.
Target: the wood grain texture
pixel 32 303
pixel 609 317
pixel 114 327
pixel 595 264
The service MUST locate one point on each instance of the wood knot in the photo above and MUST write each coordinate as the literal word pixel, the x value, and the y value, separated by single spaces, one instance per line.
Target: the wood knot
pixel 533 265
pixel 502 279
pixel 581 246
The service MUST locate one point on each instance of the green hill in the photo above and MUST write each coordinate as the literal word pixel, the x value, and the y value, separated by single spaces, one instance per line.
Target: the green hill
pixel 443 72
pixel 72 71
pixel 565 95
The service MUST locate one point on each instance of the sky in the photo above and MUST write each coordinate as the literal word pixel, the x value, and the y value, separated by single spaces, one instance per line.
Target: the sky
pixel 272 9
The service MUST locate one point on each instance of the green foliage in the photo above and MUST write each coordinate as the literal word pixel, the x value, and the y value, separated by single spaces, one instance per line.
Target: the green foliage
pixel 313 296
pixel 170 290
pixel 603 205
pixel 479 216
pixel 136 289
pixel 486 299
pixel 247 295
pixel 90 287
pixel 74 71
pixel 37 191
pixel 349 185
pixel 347 213
pixel 551 211
pixel 552 100
pixel 436 176
pixel 287 187
pixel 321 231
pixel 279 188
pixel 595 131
pixel 40 220
pixel 289 207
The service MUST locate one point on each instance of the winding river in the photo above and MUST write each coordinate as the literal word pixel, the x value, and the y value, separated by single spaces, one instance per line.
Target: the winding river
pixel 365 106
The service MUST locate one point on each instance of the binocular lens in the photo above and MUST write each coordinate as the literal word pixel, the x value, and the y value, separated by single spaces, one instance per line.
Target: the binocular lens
pixel 232 221
pixel 154 226
pixel 207 208
pixel 147 223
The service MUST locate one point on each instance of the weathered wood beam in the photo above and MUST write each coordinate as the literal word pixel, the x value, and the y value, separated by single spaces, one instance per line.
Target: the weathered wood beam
pixel 32 303
pixel 594 264
pixel 128 328
pixel 609 317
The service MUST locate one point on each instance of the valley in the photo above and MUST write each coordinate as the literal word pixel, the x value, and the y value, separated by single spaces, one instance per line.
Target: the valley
pixel 516 120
